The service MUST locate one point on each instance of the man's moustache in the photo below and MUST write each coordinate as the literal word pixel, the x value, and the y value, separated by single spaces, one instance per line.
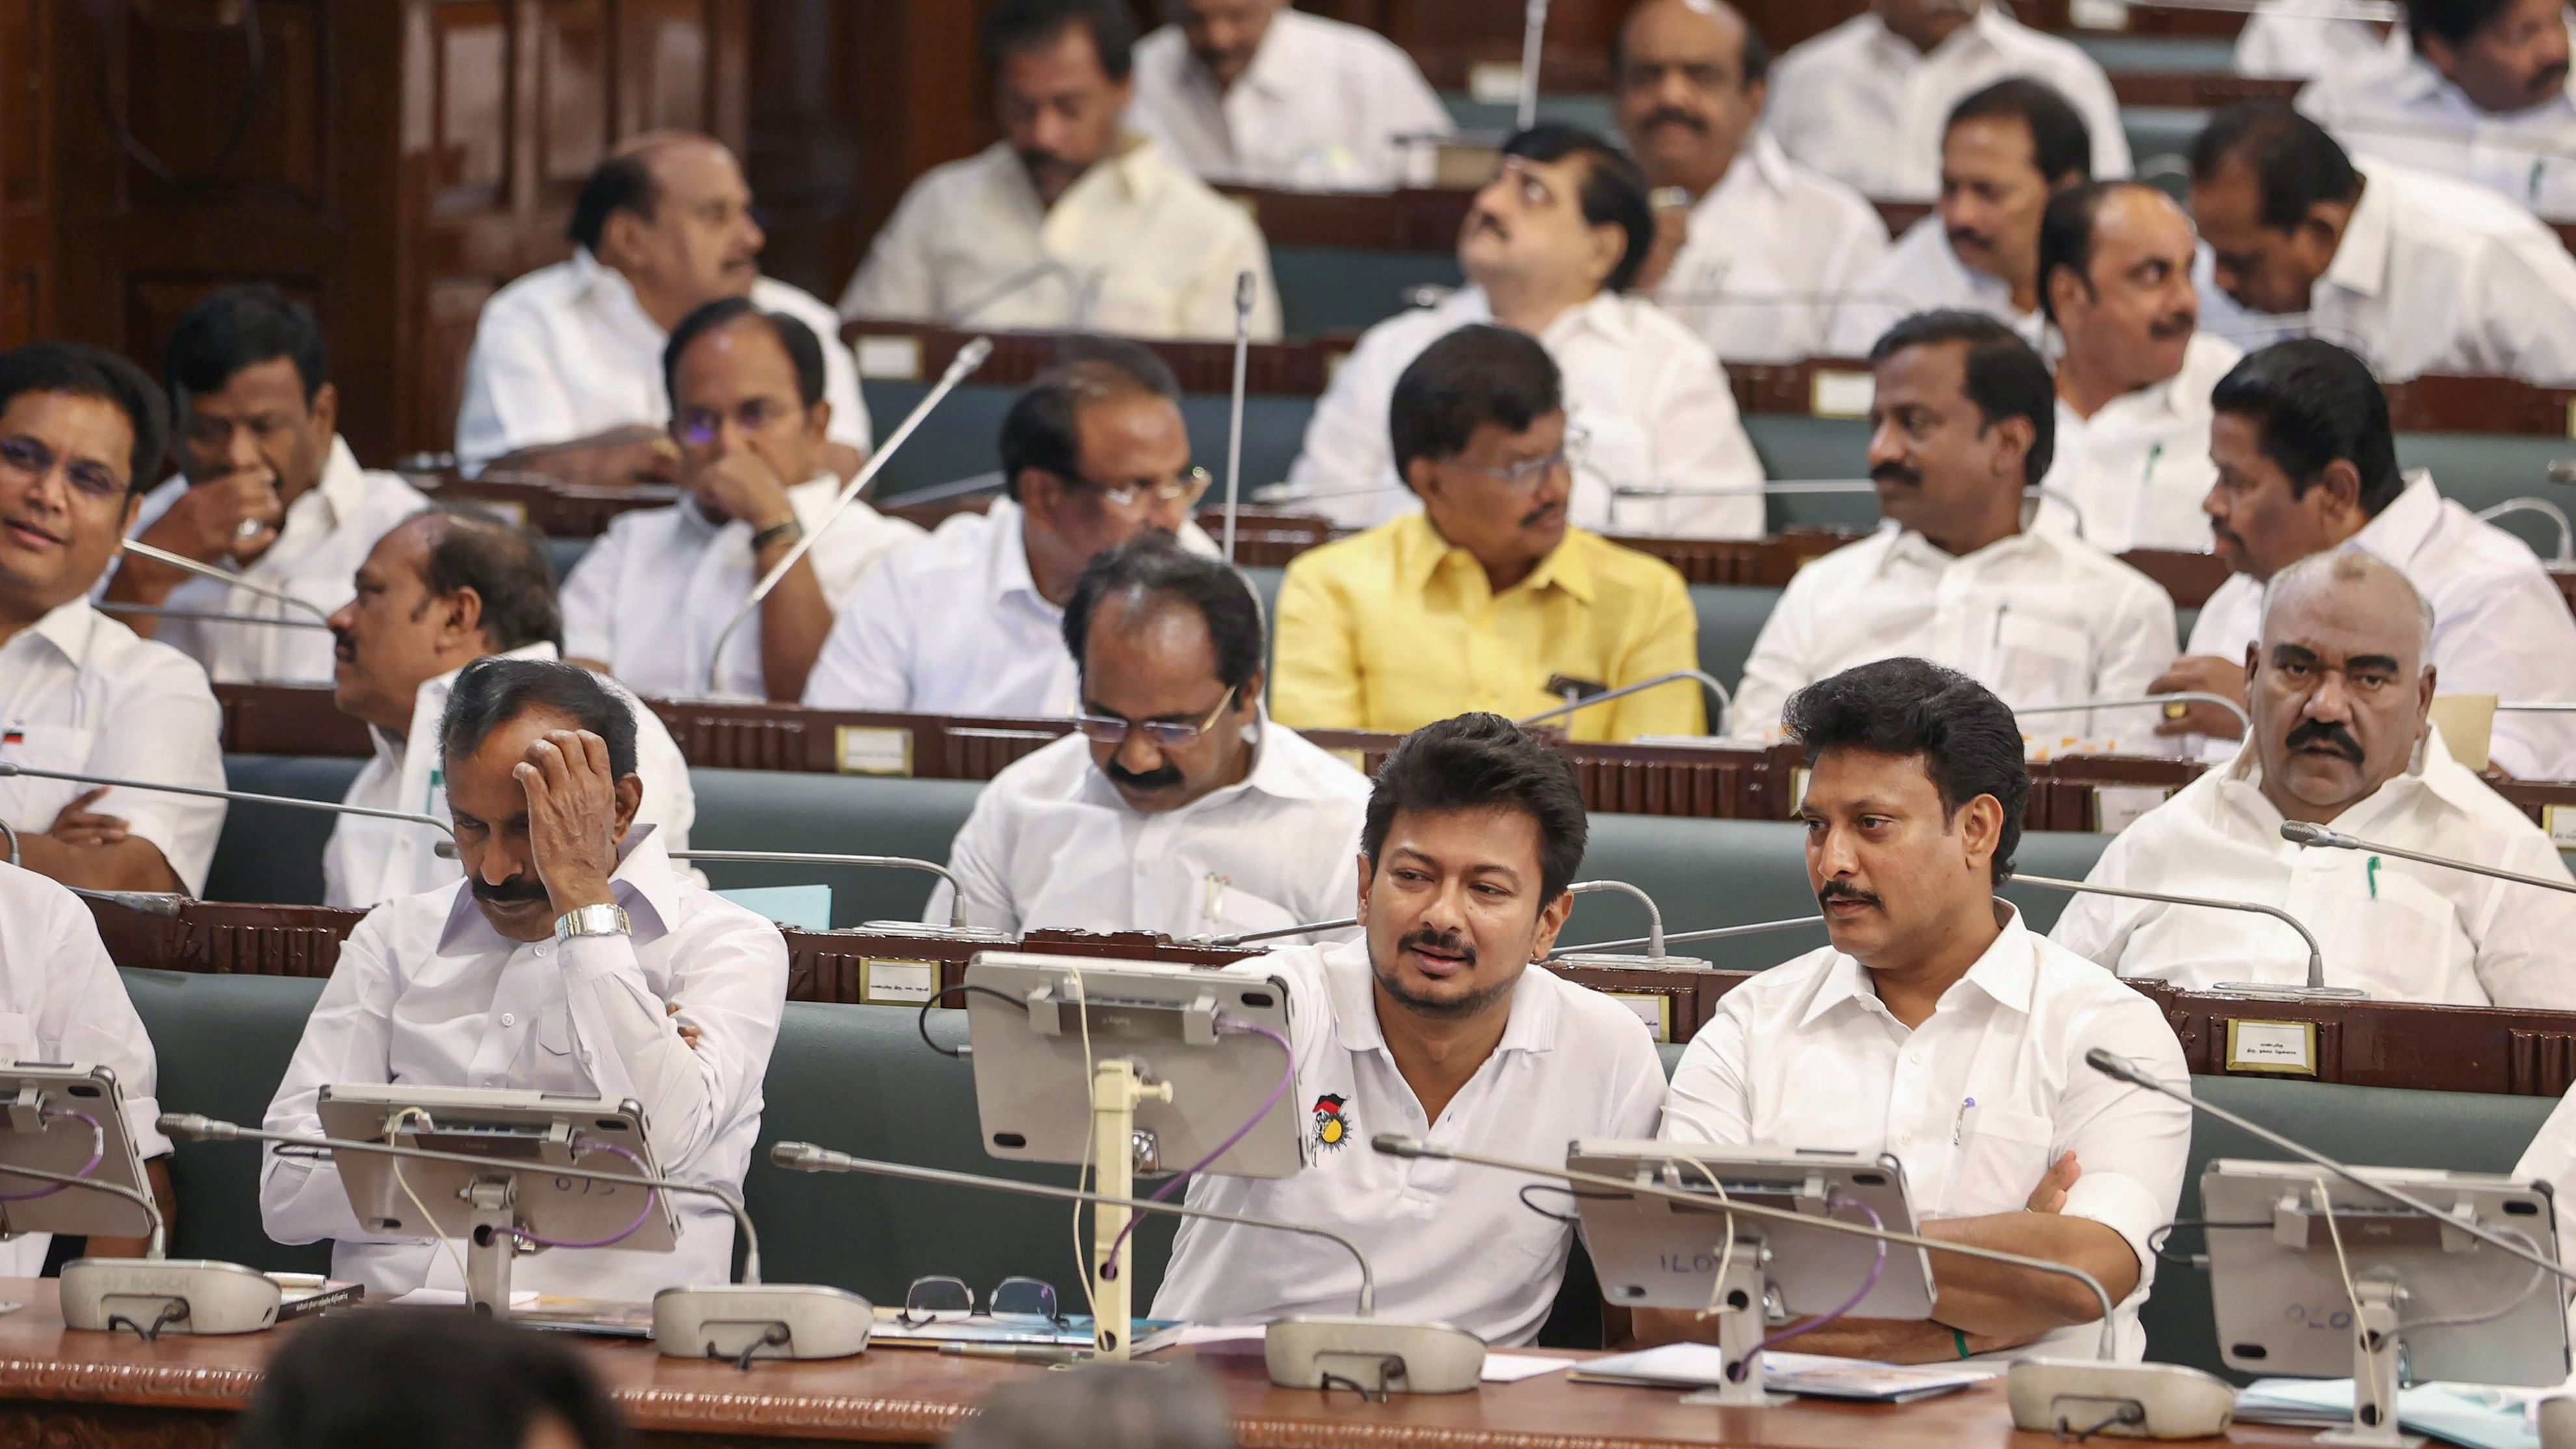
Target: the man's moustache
pixel 1895 474
pixel 343 648
pixel 2552 79
pixel 2181 324
pixel 1666 116
pixel 1966 236
pixel 1163 779
pixel 512 892
pixel 1453 943
pixel 1835 890
pixel 2329 734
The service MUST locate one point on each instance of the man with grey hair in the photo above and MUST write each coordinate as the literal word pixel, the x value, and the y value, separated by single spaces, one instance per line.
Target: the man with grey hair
pixel 2340 685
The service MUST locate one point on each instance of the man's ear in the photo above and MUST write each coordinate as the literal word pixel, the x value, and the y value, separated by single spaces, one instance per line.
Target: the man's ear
pixel 818 425
pixel 326 408
pixel 1981 830
pixel 630 800
pixel 1248 697
pixel 2065 286
pixel 1609 249
pixel 1040 491
pixel 1367 871
pixel 1551 920
pixel 2425 691
pixel 2322 228
pixel 621 237
pixel 1420 476
pixel 463 611
pixel 2014 437
pixel 2341 481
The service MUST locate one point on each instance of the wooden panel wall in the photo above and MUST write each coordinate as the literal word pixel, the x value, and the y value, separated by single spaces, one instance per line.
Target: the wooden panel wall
pixel 27 79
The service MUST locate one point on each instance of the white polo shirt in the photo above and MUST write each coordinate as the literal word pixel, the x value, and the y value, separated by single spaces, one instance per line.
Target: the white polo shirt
pixel 567 352
pixel 2286 39
pixel 2396 107
pixel 1976 1102
pixel 1324 106
pixel 82 693
pixel 1866 108
pixel 1921 272
pixel 649 599
pixel 1648 395
pixel 326 535
pixel 2500 626
pixel 2134 474
pixel 1772 252
pixel 1051 843
pixel 1449 1243
pixel 62 1001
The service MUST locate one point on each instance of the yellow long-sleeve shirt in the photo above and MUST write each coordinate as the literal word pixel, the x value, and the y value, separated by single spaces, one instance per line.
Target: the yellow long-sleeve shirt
pixel 1395 628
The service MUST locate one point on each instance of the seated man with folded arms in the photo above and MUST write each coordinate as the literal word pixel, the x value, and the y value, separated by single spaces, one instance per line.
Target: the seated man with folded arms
pixel 436 594
pixel 971 619
pixel 1939 1028
pixel 2341 683
pixel 2306 463
pixel 81 432
pixel 1180 806
pixel 1487 597
pixel 1964 421
pixel 574 958
pixel 1550 249
pixel 267 489
pixel 1434 1024
pixel 751 421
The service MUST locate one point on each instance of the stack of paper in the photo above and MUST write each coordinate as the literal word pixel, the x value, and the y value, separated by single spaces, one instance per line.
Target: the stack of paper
pixel 1702 1366
pixel 2479 1416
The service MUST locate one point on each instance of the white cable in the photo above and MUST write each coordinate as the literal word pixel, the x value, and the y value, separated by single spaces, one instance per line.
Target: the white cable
pixel 1082 1174
pixel 393 1129
pixel 1726 1254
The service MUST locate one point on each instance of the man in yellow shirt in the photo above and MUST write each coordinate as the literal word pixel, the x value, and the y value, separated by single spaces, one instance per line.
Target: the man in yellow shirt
pixel 1486 599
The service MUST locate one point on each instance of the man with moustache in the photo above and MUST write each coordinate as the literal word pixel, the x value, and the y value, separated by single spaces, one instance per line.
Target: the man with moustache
pixel 2005 152
pixel 1434 1025
pixel 573 958
pixel 1070 221
pixel 1751 248
pixel 2482 94
pixel 2340 687
pixel 1938 1028
pixel 2306 463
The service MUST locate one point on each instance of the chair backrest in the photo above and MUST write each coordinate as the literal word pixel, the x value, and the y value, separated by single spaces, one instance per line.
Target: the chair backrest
pixel 272 854
pixel 1731 617
pixel 833 815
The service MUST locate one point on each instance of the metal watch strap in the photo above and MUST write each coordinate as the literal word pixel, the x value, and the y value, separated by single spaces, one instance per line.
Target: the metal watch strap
pixel 592 921
pixel 787 532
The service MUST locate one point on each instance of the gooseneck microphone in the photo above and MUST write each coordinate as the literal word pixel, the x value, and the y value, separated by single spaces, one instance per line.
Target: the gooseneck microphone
pixel 1243 288
pixel 2316 959
pixel 334 807
pixel 141 549
pixel 2300 832
pixel 1725 701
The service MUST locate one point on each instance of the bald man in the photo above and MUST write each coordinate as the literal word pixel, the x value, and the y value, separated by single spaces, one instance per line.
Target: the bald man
pixel 566 373
pixel 2340 685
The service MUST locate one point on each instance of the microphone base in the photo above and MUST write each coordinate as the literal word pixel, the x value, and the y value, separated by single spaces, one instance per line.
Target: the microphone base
pixel 741 1322
pixel 2268 991
pixel 2557 1416
pixel 154 1296
pixel 1376 1356
pixel 2069 1397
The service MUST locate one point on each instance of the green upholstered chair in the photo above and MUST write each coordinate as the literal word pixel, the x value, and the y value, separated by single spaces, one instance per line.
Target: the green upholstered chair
pixel 272 854
pixel 838 815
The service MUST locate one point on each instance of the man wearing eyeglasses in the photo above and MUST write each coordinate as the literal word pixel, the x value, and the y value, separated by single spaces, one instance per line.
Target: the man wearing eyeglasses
pixel 751 425
pixel 971 620
pixel 1178 806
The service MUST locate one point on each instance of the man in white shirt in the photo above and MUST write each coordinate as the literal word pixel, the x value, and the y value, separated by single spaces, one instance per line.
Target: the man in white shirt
pixel 2342 683
pixel 971 619
pixel 1256 93
pixel 1179 806
pixel 2482 94
pixel 267 489
pixel 1938 1028
pixel 1070 222
pixel 1550 248
pixel 565 376
pixel 2134 372
pixel 1434 1025
pixel 2004 152
pixel 1752 250
pixel 2289 40
pixel 1962 424
pixel 436 594
pixel 79 692
pixel 2306 463
pixel 1864 101
pixel 573 958
pixel 2416 272
pixel 748 414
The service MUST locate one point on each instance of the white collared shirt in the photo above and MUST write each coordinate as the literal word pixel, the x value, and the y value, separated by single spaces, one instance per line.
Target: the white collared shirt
pixel 2397 107
pixel 2135 472
pixel 2551 1158
pixel 2401 931
pixel 1051 843
pixel 567 352
pixel 1449 1243
pixel 368 862
pixel 62 1001
pixel 327 534
pixel 1773 250
pixel 2287 40
pixel 1654 407
pixel 1976 1102
pixel 1866 108
pixel 651 596
pixel 2039 618
pixel 429 995
pixel 1324 106
pixel 2500 625
pixel 1919 273
pixel 82 693
pixel 1135 247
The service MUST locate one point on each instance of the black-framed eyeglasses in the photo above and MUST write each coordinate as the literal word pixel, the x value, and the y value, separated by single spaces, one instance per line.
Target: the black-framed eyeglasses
pixel 1169 734
pixel 940 1299
pixel 1523 476
pixel 1185 487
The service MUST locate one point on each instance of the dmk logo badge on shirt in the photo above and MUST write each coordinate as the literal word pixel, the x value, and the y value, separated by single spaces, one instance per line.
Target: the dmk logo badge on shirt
pixel 1332 1128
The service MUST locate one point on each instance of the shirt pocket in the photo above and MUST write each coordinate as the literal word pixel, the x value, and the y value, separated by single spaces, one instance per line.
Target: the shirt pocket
pixel 1999 1160
pixel 2400 941
pixel 2038 660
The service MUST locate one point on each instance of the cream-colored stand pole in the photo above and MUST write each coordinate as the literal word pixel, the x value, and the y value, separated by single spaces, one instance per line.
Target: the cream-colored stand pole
pixel 1115 1093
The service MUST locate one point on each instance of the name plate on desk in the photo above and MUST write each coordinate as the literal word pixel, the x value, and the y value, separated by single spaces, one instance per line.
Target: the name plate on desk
pixel 2560 822
pixel 889 358
pixel 886 981
pixel 2272 1048
pixel 1834 393
pixel 2117 807
pixel 873 750
pixel 1654 1010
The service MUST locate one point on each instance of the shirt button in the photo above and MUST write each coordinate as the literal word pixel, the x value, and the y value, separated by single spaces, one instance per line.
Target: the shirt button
pixel 508 1019
pixel 541 950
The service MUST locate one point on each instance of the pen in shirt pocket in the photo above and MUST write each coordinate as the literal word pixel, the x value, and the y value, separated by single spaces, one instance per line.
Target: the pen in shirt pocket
pixel 1959 1124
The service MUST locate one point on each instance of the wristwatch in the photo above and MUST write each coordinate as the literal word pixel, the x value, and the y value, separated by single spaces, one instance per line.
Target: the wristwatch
pixel 786 532
pixel 592 921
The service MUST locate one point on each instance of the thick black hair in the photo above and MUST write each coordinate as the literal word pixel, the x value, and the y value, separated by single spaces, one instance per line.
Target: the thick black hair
pixel 2453 21
pixel 2060 143
pixel 1476 375
pixel 1754 67
pixel 79 370
pixel 2005 376
pixel 1969 741
pixel 492 692
pixel 2066 232
pixel 1614 189
pixel 2295 163
pixel 2316 402
pixel 241 327
pixel 620 183
pixel 803 348
pixel 424 1378
pixel 507 568
pixel 1155 563
pixel 1016 26
pixel 1484 762
pixel 1043 428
